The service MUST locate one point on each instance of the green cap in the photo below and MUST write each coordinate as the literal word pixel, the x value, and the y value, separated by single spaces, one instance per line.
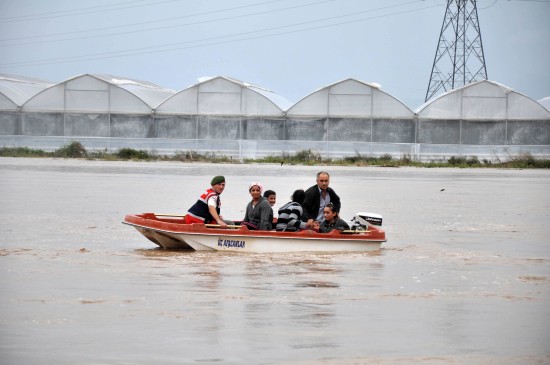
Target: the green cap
pixel 217 180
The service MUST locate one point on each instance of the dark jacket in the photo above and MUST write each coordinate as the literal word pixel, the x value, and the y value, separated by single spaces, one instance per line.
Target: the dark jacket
pixel 339 225
pixel 311 202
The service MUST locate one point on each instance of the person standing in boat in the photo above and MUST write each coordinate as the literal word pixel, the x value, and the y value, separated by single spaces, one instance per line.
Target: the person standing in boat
pixel 259 214
pixel 317 197
pixel 290 214
pixel 207 208
pixel 332 220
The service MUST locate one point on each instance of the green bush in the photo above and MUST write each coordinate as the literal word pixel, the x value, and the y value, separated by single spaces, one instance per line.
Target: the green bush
pixel 302 157
pixel 525 161
pixel 307 156
pixel 130 153
pixel 72 150
pixel 21 152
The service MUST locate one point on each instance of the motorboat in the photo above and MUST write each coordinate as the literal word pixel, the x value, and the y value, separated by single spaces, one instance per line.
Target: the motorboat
pixel 171 232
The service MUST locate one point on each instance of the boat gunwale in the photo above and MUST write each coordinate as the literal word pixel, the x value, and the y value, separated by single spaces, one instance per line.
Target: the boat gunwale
pixel 351 237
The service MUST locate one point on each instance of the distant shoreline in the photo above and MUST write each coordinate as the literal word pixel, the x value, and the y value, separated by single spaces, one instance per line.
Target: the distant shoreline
pixel 302 158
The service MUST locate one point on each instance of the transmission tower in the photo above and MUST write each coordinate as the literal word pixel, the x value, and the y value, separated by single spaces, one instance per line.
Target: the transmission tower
pixel 459 58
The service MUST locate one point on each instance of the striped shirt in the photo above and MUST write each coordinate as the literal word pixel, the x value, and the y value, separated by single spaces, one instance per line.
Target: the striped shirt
pixel 290 217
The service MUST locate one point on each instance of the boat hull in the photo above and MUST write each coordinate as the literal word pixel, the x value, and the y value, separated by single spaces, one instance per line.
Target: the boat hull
pixel 173 233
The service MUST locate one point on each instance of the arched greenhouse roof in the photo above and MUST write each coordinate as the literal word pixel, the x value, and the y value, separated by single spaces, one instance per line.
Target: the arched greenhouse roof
pixel 15 90
pixel 224 96
pixel 151 93
pixel 99 94
pixel 483 100
pixel 545 102
pixel 350 98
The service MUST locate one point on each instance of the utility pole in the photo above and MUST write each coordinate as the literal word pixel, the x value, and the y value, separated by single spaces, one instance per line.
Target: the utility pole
pixel 459 58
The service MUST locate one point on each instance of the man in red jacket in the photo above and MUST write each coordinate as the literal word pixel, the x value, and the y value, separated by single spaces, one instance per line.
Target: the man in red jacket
pixel 207 208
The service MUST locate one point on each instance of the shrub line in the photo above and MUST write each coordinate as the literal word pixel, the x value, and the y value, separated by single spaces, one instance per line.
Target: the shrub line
pixel 305 157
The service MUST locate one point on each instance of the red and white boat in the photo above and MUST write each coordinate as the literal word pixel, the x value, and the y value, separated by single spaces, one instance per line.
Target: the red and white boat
pixel 171 232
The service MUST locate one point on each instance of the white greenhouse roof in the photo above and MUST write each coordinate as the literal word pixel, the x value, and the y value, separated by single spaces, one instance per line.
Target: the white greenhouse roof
pixel 99 94
pixel 350 98
pixel 483 100
pixel 151 93
pixel 545 102
pixel 224 96
pixel 16 90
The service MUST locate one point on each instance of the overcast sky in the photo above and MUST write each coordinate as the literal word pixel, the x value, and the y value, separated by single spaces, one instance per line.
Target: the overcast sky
pixel 292 47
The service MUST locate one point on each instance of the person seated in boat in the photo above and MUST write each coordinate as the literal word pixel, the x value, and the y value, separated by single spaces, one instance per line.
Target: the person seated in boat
pixel 207 208
pixel 317 197
pixel 332 220
pixel 259 214
pixel 271 197
pixel 290 214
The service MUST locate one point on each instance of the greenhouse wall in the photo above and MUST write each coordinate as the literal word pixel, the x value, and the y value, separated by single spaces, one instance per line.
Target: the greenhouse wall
pixel 253 137
pixel 132 126
pixel 87 125
pixel 521 132
pixel 487 132
pixel 42 124
pixel 349 130
pixel 175 127
pixel 393 130
pixel 259 136
pixel 9 124
pixel 263 129
pixel 438 131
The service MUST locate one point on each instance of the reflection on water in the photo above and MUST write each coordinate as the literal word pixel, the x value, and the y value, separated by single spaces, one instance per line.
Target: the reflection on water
pixel 463 279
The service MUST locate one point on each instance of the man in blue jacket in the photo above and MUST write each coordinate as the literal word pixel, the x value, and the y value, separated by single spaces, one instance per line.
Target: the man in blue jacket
pixel 317 197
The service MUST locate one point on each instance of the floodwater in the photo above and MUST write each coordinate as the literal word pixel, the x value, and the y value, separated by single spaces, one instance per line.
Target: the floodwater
pixel 464 277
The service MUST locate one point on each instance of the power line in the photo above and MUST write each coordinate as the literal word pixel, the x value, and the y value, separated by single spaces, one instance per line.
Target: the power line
pixel 149 50
pixel 156 21
pixel 89 10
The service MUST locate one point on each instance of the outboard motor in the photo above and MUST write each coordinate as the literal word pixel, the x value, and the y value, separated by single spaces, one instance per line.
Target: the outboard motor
pixel 362 220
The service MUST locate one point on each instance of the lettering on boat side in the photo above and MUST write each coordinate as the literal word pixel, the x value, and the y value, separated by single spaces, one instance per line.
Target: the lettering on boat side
pixel 231 243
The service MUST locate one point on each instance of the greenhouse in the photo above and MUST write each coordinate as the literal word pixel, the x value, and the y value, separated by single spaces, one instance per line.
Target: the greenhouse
pixel 221 111
pixel 483 119
pixel 352 117
pixel 229 117
pixel 14 92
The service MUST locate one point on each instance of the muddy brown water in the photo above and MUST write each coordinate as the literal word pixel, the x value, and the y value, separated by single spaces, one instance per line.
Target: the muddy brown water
pixel 464 277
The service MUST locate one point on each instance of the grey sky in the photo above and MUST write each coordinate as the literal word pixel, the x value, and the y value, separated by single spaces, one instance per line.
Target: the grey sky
pixel 292 47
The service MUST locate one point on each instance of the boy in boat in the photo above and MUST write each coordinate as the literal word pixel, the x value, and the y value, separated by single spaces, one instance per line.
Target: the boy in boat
pixel 290 214
pixel 271 197
pixel 207 208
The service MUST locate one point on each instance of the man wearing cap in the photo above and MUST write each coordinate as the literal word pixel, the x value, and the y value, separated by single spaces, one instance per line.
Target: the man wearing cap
pixel 207 208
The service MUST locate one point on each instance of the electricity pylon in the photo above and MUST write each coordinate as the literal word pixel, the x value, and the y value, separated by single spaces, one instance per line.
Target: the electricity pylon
pixel 459 58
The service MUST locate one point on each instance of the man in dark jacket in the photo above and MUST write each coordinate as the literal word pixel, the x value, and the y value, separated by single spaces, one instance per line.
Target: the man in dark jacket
pixel 317 197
